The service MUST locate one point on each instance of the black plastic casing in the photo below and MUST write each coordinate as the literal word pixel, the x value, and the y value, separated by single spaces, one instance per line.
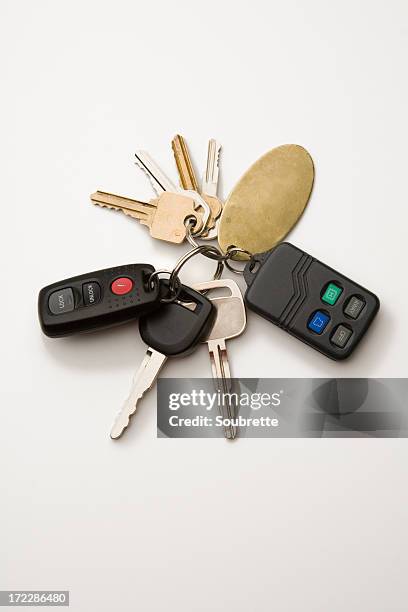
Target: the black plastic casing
pixel 110 310
pixel 287 289
pixel 178 327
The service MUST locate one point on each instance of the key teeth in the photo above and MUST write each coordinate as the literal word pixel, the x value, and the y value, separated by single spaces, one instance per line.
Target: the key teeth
pixel 218 148
pixel 128 213
pixel 102 205
pixel 151 181
pixel 118 427
pixel 232 434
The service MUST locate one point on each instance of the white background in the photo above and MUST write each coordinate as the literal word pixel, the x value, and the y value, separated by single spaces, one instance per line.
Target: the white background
pixel 150 524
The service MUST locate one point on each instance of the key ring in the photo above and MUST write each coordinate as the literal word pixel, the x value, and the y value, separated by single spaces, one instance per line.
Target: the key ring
pixel 234 251
pixel 189 223
pixel 219 256
pixel 203 249
pixel 212 253
pixel 198 199
pixel 173 290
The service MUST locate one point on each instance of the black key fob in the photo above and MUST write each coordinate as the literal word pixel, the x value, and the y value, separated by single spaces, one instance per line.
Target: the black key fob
pixel 179 326
pixel 311 301
pixel 97 300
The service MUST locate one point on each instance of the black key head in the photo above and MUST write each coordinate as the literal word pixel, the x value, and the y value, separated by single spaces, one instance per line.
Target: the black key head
pixel 179 326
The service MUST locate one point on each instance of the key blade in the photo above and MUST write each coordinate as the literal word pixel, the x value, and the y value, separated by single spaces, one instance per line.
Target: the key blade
pixel 142 382
pixel 158 179
pixel 142 211
pixel 183 162
pixel 222 382
pixel 211 175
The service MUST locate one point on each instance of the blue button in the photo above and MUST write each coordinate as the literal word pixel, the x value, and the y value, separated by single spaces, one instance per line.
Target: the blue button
pixel 318 322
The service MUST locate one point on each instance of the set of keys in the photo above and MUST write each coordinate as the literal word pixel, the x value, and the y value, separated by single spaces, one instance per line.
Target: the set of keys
pixel 300 294
pixel 177 210
pixel 259 212
pixel 172 322
pixel 296 292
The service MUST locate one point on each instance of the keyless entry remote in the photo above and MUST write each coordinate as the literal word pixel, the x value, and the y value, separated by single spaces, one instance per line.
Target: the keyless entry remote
pixel 97 300
pixel 309 300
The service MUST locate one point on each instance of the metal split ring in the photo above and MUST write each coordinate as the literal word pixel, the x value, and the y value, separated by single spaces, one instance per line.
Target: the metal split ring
pixel 232 252
pixel 175 284
pixel 204 250
pixel 173 290
pixel 216 254
pixel 191 221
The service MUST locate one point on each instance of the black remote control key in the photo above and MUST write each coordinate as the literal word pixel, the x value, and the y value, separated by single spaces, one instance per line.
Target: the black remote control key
pixel 97 300
pixel 311 301
pixel 174 330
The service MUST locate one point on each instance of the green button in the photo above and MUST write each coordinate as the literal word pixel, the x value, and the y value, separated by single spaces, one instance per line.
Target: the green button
pixel 332 294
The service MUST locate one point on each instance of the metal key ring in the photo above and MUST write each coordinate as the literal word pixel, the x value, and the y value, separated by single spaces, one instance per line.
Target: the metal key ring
pixel 175 289
pixel 174 276
pixel 198 199
pixel 234 251
pixel 212 253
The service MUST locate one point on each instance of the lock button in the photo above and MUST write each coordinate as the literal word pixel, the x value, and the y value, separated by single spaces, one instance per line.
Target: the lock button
pixel 318 322
pixel 61 301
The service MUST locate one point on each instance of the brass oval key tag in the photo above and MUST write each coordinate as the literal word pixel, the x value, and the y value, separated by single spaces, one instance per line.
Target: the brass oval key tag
pixel 267 201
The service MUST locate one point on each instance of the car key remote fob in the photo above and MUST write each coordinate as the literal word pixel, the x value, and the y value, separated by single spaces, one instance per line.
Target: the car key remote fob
pixel 97 300
pixel 311 301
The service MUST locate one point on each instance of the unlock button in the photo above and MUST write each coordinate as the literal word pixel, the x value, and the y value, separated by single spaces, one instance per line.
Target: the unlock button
pixel 91 292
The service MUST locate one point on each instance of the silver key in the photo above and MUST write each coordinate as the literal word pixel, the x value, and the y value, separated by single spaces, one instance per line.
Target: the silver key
pixel 158 179
pixel 230 322
pixel 209 185
pixel 142 382
pixel 175 330
pixel 161 182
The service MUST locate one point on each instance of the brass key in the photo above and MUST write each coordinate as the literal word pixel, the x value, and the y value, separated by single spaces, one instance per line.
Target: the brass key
pixel 188 178
pixel 165 216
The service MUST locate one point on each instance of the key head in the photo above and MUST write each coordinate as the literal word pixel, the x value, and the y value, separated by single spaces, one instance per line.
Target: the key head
pixel 172 212
pixel 211 230
pixel 230 320
pixel 178 327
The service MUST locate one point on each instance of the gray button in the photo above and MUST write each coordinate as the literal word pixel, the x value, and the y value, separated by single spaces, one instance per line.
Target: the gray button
pixel 354 307
pixel 341 336
pixel 61 301
pixel 91 292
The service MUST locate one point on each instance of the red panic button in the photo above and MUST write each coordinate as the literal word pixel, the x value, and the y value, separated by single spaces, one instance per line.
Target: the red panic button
pixel 121 286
